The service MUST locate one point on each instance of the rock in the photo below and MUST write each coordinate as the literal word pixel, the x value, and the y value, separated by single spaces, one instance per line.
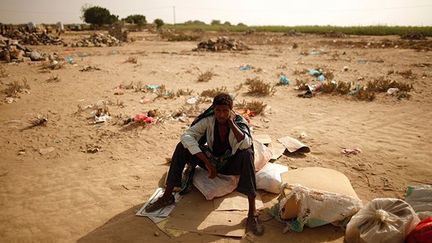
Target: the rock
pixel 36 56
pixel 156 234
pixel 47 150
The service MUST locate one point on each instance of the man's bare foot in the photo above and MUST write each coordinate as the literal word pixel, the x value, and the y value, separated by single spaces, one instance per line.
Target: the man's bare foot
pixel 253 225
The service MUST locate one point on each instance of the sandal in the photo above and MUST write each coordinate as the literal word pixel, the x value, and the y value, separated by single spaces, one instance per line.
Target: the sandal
pixel 253 225
pixel 160 203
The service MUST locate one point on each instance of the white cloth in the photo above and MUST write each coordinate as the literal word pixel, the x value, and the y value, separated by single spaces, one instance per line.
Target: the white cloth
pixel 190 137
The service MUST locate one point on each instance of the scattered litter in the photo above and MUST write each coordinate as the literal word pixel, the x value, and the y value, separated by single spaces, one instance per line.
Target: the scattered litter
pixel 351 151
pixel 192 101
pixel 143 118
pixel 283 80
pixel 392 91
pixel 294 145
pixel 246 67
pixel 161 214
pixel 382 220
pixel 153 87
pixel 69 59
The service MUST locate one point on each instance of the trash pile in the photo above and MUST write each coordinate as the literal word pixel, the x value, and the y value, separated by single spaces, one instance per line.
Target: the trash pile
pixel 222 43
pixel 12 51
pixel 413 36
pixel 97 40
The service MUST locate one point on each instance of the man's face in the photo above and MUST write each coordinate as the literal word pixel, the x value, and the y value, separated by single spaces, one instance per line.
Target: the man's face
pixel 222 113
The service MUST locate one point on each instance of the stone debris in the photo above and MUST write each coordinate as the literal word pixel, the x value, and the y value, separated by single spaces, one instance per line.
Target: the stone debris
pixel 222 43
pixel 97 40
pixel 30 36
pixel 12 51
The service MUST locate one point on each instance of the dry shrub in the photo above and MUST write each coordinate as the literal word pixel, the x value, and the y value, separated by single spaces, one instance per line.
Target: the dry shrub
pixel 328 87
pixel 365 94
pixel 53 79
pixel 211 93
pixel 257 87
pixel 408 74
pixel 133 60
pixel 301 85
pixel 182 92
pixel 343 88
pixel 329 75
pixel 413 35
pixel 257 107
pixel 162 92
pixel 14 88
pixel 205 77
pixel 382 85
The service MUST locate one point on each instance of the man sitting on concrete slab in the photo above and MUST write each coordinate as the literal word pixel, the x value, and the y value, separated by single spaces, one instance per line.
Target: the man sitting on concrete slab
pixel 219 141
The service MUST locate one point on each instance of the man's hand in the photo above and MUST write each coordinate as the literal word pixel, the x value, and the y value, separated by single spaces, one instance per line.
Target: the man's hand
pixel 212 172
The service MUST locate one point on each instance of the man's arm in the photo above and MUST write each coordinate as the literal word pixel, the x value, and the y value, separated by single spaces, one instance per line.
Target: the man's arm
pixel 210 168
pixel 238 134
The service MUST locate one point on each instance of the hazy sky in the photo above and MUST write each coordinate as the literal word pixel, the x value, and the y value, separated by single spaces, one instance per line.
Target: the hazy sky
pixel 267 12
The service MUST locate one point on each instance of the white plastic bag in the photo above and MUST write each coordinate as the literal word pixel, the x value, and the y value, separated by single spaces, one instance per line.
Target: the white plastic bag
pixel 269 177
pixel 216 187
pixel 262 155
pixel 420 198
pixel 382 220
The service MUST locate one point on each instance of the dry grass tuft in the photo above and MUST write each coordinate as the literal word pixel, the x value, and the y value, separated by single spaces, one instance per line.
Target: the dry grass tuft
pixel 14 88
pixel 205 77
pixel 257 107
pixel 52 65
pixel 365 94
pixel 257 87
pixel 382 85
pixel 408 74
pixel 162 92
pixel 211 93
pixel 133 60
pixel 301 84
pixel 53 79
pixel 182 92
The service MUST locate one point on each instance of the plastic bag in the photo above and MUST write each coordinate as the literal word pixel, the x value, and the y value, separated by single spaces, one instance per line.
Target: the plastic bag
pixel 216 187
pixel 382 220
pixel 269 177
pixel 422 233
pixel 313 208
pixel 420 198
pixel 262 155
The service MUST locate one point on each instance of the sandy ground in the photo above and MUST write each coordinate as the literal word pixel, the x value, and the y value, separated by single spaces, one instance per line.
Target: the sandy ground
pixel 70 195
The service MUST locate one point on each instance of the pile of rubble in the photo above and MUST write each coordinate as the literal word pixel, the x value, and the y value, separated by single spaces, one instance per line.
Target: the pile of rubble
pixel 34 38
pixel 97 40
pixel 220 44
pixel 12 51
pixel 413 36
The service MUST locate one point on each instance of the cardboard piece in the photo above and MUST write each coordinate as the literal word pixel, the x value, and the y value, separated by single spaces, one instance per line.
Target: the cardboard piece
pixel 195 214
pixel 319 178
pixel 277 149
pixel 235 201
pixel 263 138
pixel 294 145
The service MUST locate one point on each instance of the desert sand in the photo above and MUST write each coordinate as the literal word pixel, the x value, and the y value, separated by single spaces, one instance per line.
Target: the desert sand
pixel 53 190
